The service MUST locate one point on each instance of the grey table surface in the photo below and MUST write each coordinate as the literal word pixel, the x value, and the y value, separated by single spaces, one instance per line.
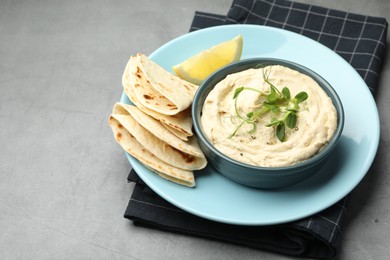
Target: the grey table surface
pixel 63 188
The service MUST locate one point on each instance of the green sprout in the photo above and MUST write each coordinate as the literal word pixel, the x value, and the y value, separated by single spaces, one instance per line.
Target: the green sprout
pixel 277 102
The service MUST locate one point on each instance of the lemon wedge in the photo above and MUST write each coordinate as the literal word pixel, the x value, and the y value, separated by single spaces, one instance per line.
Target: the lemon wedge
pixel 198 67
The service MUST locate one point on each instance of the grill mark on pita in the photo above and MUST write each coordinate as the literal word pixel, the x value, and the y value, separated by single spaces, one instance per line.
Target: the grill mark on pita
pixel 118 136
pixel 172 106
pixel 186 157
pixel 147 96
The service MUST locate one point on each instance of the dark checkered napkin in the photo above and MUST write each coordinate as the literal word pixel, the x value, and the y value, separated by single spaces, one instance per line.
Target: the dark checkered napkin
pixel 317 237
pixel 361 40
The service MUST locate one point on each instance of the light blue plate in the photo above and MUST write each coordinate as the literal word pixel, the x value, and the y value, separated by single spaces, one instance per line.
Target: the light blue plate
pixel 216 197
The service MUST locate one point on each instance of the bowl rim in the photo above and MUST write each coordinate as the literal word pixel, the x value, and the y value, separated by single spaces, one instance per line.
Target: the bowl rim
pixel 319 156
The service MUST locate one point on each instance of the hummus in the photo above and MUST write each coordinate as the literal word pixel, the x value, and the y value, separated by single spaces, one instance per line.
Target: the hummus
pixel 315 126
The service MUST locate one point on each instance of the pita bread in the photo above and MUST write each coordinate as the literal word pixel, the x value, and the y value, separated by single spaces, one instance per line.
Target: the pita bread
pixel 160 90
pixel 159 141
pixel 179 134
pixel 119 125
pixel 147 95
pixel 179 124
pixel 157 129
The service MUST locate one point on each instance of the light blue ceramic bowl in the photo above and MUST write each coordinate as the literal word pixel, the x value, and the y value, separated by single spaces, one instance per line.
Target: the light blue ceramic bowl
pixel 255 176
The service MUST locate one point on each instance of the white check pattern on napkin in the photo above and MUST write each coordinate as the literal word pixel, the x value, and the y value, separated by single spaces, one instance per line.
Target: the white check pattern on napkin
pixel 359 39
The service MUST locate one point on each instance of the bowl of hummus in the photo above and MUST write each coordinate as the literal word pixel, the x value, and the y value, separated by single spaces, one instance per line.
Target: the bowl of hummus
pixel 267 123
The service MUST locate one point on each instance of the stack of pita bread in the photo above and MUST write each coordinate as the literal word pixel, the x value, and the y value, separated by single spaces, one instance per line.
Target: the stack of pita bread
pixel 157 129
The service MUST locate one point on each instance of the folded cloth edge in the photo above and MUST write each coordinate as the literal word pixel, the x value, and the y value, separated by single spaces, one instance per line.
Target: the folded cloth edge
pixel 296 238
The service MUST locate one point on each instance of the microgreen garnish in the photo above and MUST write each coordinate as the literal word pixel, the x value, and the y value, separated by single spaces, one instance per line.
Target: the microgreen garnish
pixel 280 103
